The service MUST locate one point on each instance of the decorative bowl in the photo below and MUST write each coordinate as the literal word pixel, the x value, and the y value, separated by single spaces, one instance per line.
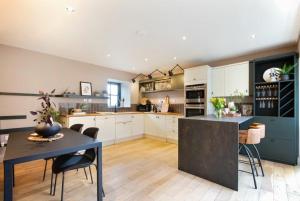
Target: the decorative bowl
pixel 48 131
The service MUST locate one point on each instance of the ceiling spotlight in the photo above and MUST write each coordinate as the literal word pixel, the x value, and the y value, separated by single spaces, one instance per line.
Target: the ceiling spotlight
pixel 174 58
pixel 184 37
pixel 146 59
pixel 108 55
pixel 70 9
pixel 253 36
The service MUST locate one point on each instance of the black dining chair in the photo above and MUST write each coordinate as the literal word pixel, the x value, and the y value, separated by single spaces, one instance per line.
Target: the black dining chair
pixel 70 162
pixel 75 127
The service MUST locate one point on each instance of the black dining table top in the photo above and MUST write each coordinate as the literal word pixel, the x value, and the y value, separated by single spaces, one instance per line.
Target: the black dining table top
pixel 19 149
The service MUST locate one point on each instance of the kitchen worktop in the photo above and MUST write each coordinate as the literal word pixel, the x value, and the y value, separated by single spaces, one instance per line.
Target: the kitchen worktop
pixel 238 120
pixel 121 113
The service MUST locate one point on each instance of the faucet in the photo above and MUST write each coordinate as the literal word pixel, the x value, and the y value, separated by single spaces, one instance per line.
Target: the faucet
pixel 115 109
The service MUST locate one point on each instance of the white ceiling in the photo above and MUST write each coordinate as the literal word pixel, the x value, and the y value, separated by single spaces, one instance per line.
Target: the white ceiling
pixel 132 30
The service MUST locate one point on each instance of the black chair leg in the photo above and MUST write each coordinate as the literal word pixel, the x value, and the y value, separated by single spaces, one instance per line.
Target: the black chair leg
pixel 51 184
pixel 251 165
pixel 85 174
pixel 252 158
pixel 62 186
pixel 91 175
pixel 259 161
pixel 45 169
pixel 54 185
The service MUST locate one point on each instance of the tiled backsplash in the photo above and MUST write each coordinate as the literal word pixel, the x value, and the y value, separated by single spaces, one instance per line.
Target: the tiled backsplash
pixel 65 108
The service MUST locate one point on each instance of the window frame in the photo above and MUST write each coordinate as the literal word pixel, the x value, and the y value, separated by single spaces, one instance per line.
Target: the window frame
pixel 110 95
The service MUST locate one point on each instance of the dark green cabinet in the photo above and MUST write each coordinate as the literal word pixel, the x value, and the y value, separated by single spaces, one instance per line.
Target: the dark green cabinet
pixel 276 106
pixel 280 142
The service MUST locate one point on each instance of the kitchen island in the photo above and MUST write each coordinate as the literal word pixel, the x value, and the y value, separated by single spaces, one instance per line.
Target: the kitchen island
pixel 208 148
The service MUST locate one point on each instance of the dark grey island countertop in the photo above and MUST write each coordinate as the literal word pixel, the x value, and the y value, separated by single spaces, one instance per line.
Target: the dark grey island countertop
pixel 238 120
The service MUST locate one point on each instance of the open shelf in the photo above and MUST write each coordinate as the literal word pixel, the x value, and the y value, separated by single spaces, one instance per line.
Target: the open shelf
pixel 57 96
pixel 274 98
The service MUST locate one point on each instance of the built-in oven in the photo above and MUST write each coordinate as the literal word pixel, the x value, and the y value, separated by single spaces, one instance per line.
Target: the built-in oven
pixel 195 100
pixel 195 94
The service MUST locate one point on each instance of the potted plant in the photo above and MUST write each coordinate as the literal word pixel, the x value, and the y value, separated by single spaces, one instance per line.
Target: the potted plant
pixel 285 71
pixel 219 105
pixel 47 117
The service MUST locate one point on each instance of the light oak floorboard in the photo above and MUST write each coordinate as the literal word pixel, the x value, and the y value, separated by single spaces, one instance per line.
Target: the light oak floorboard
pixel 146 170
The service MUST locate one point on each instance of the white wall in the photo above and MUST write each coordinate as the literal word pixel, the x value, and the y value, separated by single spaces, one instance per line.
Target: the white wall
pixel 25 71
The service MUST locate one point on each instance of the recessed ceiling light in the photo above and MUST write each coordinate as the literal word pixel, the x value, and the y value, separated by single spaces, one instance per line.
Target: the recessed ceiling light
pixel 184 37
pixel 253 36
pixel 132 68
pixel 108 55
pixel 70 9
pixel 174 58
pixel 146 59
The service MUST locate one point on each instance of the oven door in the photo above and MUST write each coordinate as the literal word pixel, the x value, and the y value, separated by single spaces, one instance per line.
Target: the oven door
pixel 194 111
pixel 194 96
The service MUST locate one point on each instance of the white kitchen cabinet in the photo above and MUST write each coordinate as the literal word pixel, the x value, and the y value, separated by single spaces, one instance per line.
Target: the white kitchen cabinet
pixel 172 128
pixel 196 75
pixel 237 78
pixel 137 124
pixel 155 125
pixel 87 121
pixel 107 129
pixel 218 82
pixel 123 127
pixel 226 80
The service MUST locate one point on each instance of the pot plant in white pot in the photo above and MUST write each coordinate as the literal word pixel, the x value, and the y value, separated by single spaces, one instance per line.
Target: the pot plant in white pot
pixel 47 117
pixel 285 71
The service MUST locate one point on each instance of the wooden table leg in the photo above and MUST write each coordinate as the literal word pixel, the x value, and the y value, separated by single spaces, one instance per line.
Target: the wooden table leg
pixel 8 181
pixel 99 174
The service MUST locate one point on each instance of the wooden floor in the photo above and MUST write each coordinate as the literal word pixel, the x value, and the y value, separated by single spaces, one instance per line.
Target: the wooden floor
pixel 146 170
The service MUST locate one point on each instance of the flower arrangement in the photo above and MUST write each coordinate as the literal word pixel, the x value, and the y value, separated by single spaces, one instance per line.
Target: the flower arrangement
pixel 219 105
pixel 48 114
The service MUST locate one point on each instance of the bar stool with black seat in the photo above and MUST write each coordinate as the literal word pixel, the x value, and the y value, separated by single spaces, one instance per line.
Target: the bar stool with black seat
pixel 70 162
pixel 75 127
pixel 250 137
pixel 256 154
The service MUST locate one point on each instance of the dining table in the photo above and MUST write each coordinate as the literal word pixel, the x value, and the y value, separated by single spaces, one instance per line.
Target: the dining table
pixel 20 150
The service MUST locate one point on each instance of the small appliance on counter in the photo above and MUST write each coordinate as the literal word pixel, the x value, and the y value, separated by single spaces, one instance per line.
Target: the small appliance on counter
pixel 144 106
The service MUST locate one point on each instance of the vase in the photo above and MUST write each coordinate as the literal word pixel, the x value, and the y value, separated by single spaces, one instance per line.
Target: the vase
pixel 47 130
pixel 284 77
pixel 218 113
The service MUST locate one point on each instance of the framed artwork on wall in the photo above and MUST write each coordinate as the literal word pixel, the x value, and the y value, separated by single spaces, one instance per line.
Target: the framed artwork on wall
pixel 85 88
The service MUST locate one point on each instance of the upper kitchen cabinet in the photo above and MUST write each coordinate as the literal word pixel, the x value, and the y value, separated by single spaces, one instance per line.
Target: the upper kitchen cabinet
pixel 196 75
pixel 226 80
pixel 237 78
pixel 218 82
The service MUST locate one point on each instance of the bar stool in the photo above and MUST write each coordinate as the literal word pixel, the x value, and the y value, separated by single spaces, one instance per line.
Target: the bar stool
pixel 262 127
pixel 250 137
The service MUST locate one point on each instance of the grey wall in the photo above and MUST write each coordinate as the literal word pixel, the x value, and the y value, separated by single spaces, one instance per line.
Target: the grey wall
pixel 25 71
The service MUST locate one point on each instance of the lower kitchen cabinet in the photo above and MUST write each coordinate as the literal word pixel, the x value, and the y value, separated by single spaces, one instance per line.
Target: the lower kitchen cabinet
pixel 115 128
pixel 155 125
pixel 280 143
pixel 172 128
pixel 123 127
pixel 138 125
pixel 107 129
pixel 87 121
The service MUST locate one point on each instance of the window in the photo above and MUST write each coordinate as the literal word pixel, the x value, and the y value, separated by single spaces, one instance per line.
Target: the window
pixel 114 94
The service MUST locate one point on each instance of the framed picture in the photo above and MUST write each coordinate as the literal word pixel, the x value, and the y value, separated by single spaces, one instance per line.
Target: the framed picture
pixel 247 109
pixel 85 88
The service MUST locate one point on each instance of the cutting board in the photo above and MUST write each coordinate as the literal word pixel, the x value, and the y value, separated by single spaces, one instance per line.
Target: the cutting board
pixel 165 105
